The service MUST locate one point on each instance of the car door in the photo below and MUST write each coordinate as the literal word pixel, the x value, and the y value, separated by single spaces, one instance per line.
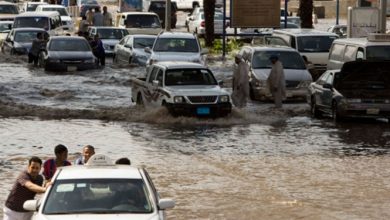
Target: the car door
pixel 7 43
pixel 327 92
pixel 148 92
pixel 157 95
pixel 120 50
pixel 317 89
pixel 128 50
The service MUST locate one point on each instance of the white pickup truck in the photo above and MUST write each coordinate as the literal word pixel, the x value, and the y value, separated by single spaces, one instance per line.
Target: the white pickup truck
pixel 184 88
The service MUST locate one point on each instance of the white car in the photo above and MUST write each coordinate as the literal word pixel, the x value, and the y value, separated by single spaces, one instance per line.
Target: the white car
pixel 131 49
pixel 67 22
pixel 197 24
pixel 176 46
pixel 32 6
pixel 110 36
pixel 100 190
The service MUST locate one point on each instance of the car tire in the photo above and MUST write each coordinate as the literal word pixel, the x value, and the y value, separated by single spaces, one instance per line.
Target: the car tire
pixel 139 101
pixel 314 109
pixel 335 114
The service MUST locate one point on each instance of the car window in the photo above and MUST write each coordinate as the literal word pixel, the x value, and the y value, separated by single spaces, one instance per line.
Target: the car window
pixel 153 74
pixel 37 22
pixel 31 7
pixel 142 21
pixel 337 52
pixel 107 33
pixel 289 59
pixel 103 196
pixel 8 9
pixel 378 52
pixel 61 11
pixel 315 43
pixel 143 42
pixel 25 36
pixel 4 27
pixel 69 45
pixel 159 77
pixel 350 53
pixel 181 77
pixel 176 45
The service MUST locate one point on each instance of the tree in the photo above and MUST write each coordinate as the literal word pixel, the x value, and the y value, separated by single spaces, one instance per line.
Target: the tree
pixel 306 13
pixel 209 11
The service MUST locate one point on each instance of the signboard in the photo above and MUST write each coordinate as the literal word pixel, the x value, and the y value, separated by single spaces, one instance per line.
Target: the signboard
pixel 130 5
pixel 363 21
pixel 255 13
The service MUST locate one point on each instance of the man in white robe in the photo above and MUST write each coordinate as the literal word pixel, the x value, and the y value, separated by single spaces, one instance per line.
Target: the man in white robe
pixel 277 83
pixel 240 82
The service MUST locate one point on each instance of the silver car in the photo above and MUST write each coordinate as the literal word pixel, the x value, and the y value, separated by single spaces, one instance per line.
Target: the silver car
pixel 176 46
pixel 110 36
pixel 297 76
pixel 131 49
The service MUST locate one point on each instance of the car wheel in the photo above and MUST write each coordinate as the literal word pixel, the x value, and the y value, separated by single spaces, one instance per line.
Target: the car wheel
pixel 314 109
pixel 140 101
pixel 335 114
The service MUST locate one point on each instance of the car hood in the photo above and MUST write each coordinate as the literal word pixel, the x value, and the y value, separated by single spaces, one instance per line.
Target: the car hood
pixel 98 217
pixel 211 90
pixel 176 56
pixel 74 55
pixel 289 74
pixel 111 42
pixel 26 45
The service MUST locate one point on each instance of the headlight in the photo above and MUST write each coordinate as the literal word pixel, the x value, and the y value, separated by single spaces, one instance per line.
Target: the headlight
pixel 178 99
pixel 304 84
pixel 354 100
pixel 224 98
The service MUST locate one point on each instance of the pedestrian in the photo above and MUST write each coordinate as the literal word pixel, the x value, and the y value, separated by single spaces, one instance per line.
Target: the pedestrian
pixel 89 16
pixel 98 49
pixel 240 82
pixel 36 46
pixel 88 151
pixel 107 17
pixel 98 18
pixel 276 81
pixel 27 185
pixel 83 26
pixel 123 160
pixel 50 166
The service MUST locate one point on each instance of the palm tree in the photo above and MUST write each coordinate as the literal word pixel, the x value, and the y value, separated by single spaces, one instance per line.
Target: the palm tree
pixel 305 12
pixel 209 10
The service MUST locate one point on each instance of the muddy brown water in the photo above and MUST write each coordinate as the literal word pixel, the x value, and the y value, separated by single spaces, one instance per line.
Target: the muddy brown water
pixel 258 163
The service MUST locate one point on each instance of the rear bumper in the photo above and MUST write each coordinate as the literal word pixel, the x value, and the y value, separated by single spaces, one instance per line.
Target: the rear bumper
pixel 202 110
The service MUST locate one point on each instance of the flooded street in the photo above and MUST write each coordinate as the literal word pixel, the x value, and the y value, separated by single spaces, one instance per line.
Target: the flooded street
pixel 256 164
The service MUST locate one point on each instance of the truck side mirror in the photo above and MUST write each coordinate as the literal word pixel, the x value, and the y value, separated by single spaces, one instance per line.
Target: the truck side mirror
pixel 147 50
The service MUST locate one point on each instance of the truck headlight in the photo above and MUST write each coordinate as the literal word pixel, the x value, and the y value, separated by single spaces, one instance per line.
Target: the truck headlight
pixel 224 98
pixel 178 99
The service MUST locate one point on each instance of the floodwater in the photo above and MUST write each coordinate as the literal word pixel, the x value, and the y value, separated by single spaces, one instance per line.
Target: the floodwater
pixel 258 163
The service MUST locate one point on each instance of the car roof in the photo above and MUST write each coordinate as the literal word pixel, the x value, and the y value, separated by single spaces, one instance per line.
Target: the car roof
pixel 107 27
pixel 7 3
pixel 99 172
pixel 142 35
pixel 270 48
pixel 304 32
pixel 66 38
pixel 361 41
pixel 29 29
pixel 172 34
pixel 51 6
pixel 40 13
pixel 138 13
pixel 179 64
pixel 36 3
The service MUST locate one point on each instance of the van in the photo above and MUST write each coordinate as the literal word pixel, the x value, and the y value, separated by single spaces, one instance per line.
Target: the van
pixel 67 21
pixel 50 21
pixel 139 22
pixel 8 11
pixel 373 47
pixel 312 43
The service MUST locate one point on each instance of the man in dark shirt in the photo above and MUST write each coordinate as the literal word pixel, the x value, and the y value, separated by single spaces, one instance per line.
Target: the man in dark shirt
pixel 26 186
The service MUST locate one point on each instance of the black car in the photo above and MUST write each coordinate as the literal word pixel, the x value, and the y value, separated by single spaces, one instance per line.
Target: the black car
pixel 359 89
pixel 67 53
pixel 158 7
pixel 19 40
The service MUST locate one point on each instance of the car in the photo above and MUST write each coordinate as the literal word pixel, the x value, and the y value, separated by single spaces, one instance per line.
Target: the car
pixel 297 77
pixel 360 89
pixel 85 5
pixel 139 22
pixel 66 20
pixel 110 36
pixel 19 40
pixel 340 29
pixel 67 53
pixel 256 32
pixel 131 49
pixel 197 24
pixel 100 190
pixel 268 40
pixel 158 7
pixel 176 46
pixel 8 11
pixel 49 20
pixel 5 28
pixel 31 6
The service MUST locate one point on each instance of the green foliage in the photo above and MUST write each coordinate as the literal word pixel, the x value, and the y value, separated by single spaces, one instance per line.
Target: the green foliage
pixel 231 45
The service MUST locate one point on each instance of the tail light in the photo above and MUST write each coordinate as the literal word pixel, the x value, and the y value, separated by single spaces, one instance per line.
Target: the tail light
pixel 202 24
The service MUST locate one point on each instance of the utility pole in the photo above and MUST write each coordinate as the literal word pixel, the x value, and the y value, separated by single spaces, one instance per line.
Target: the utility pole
pixel 383 11
pixel 168 15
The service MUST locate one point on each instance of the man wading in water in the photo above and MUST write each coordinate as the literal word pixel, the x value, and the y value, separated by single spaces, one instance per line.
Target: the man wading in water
pixel 276 81
pixel 240 82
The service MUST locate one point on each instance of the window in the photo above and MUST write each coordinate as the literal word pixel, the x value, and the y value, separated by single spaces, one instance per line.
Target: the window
pixel 159 77
pixel 143 42
pixel 180 77
pixel 176 45
pixel 142 21
pixel 378 52
pixel 289 59
pixel 315 43
pixel 350 53
pixel 337 52
pixel 153 75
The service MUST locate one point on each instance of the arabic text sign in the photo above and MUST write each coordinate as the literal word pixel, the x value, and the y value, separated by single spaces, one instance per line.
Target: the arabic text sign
pixel 255 13
pixel 364 20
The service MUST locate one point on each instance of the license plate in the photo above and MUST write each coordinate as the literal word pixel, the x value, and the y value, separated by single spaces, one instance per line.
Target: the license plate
pixel 71 68
pixel 203 110
pixel 372 111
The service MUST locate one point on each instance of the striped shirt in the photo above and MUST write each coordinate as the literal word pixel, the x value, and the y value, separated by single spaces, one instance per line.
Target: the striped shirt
pixel 20 193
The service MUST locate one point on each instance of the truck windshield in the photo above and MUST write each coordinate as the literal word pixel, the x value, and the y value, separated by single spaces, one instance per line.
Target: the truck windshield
pixel 36 22
pixel 181 77
pixel 176 45
pixel 105 196
pixel 378 53
pixel 315 44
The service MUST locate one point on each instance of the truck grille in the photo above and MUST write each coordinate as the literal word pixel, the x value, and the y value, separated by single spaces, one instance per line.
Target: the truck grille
pixel 202 99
